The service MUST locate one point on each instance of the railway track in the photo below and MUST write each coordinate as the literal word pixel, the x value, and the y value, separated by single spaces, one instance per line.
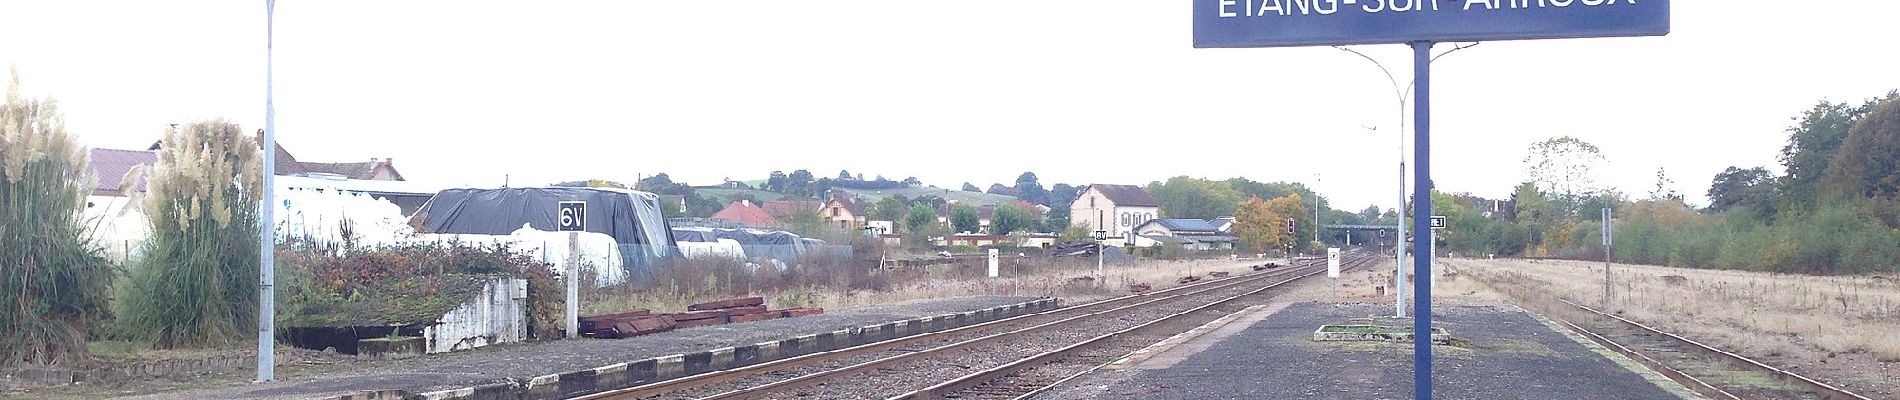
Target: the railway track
pixel 890 368
pixel 1710 371
pixel 1030 376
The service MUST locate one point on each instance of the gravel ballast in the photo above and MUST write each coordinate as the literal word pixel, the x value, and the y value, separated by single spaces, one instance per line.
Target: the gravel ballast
pixel 525 361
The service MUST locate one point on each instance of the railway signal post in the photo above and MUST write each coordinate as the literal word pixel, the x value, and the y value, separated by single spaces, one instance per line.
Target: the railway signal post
pixel 1418 24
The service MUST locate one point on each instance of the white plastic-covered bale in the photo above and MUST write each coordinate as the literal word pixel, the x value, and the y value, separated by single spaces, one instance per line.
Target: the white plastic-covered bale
pixel 599 253
pixel 322 215
pixel 723 248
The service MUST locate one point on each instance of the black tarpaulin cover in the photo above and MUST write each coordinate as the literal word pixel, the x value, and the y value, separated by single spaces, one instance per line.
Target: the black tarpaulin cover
pixel 631 217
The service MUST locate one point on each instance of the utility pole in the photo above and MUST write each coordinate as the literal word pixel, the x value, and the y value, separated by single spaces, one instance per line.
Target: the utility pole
pixel 267 236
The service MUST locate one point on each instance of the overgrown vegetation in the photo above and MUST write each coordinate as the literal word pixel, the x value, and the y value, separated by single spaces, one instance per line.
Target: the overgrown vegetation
pixel 681 281
pixel 403 284
pixel 53 280
pixel 1836 211
pixel 196 284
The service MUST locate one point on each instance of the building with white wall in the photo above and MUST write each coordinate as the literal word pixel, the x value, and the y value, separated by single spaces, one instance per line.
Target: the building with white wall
pixel 1117 209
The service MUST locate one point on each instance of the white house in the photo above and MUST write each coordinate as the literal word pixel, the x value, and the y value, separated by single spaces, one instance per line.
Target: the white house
pixel 1117 209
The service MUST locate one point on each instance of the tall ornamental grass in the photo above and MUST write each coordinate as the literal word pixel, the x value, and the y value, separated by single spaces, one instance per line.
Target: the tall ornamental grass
pixel 53 281
pixel 196 285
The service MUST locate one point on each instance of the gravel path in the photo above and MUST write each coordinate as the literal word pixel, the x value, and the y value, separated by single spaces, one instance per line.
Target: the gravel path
pixel 1498 353
pixel 527 360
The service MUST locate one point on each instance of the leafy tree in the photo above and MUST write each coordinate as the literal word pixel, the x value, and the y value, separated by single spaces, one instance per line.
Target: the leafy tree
pixel 912 181
pixel 1075 233
pixel 1812 143
pixel 930 200
pixel 844 175
pixel 1258 226
pixel 671 209
pixel 888 209
pixel 1370 214
pixel 1565 167
pixel 964 218
pixel 1029 189
pixel 1295 207
pixel 659 183
pixel 1056 218
pixel 1184 197
pixel 776 182
pixel 196 284
pixel 921 219
pixel 54 282
pixel 1062 195
pixel 821 188
pixel 1752 188
pixel 967 187
pixel 1008 218
pixel 701 206
pixel 1868 164
pixel 799 184
pixel 998 188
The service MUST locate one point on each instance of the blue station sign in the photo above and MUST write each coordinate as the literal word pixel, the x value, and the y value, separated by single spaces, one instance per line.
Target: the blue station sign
pixel 1286 23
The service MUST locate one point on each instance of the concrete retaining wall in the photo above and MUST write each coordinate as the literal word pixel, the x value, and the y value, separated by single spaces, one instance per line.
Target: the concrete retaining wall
pixel 498 315
pixel 639 372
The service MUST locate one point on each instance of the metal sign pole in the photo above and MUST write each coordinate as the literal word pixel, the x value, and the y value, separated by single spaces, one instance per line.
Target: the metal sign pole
pixel 1606 258
pixel 1421 222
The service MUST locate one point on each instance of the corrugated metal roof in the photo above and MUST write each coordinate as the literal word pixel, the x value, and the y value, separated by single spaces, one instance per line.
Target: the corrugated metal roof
pixel 1186 224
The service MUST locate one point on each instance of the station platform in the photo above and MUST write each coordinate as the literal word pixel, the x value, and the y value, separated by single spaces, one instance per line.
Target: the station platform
pixel 1497 352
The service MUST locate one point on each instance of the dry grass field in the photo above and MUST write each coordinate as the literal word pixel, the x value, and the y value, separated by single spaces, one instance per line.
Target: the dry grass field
pixel 1842 326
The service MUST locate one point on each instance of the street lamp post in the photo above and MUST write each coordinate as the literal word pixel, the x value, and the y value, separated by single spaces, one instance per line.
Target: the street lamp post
pixel 1404 96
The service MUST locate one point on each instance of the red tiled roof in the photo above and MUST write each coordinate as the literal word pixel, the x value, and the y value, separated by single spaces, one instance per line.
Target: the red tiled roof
pixel 109 167
pixel 746 214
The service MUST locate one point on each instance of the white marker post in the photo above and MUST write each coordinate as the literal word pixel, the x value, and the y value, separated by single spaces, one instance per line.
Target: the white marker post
pixel 573 219
pixel 995 269
pixel 1332 262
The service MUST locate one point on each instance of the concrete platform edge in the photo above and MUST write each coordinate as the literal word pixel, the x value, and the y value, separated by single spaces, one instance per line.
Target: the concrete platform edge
pixel 655 369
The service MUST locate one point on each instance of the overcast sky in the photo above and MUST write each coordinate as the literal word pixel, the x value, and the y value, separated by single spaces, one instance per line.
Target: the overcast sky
pixel 463 93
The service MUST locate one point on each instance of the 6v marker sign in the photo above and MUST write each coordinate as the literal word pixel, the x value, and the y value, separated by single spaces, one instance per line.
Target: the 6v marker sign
pixel 572 217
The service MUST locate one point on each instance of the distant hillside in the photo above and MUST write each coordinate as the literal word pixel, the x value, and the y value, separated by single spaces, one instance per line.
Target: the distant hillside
pixel 971 198
pixel 725 195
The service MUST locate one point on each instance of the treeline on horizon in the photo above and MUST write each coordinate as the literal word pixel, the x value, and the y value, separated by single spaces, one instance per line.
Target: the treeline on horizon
pixel 1835 209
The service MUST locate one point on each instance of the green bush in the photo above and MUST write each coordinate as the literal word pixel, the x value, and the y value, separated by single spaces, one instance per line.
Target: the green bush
pixel 196 284
pixel 53 280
